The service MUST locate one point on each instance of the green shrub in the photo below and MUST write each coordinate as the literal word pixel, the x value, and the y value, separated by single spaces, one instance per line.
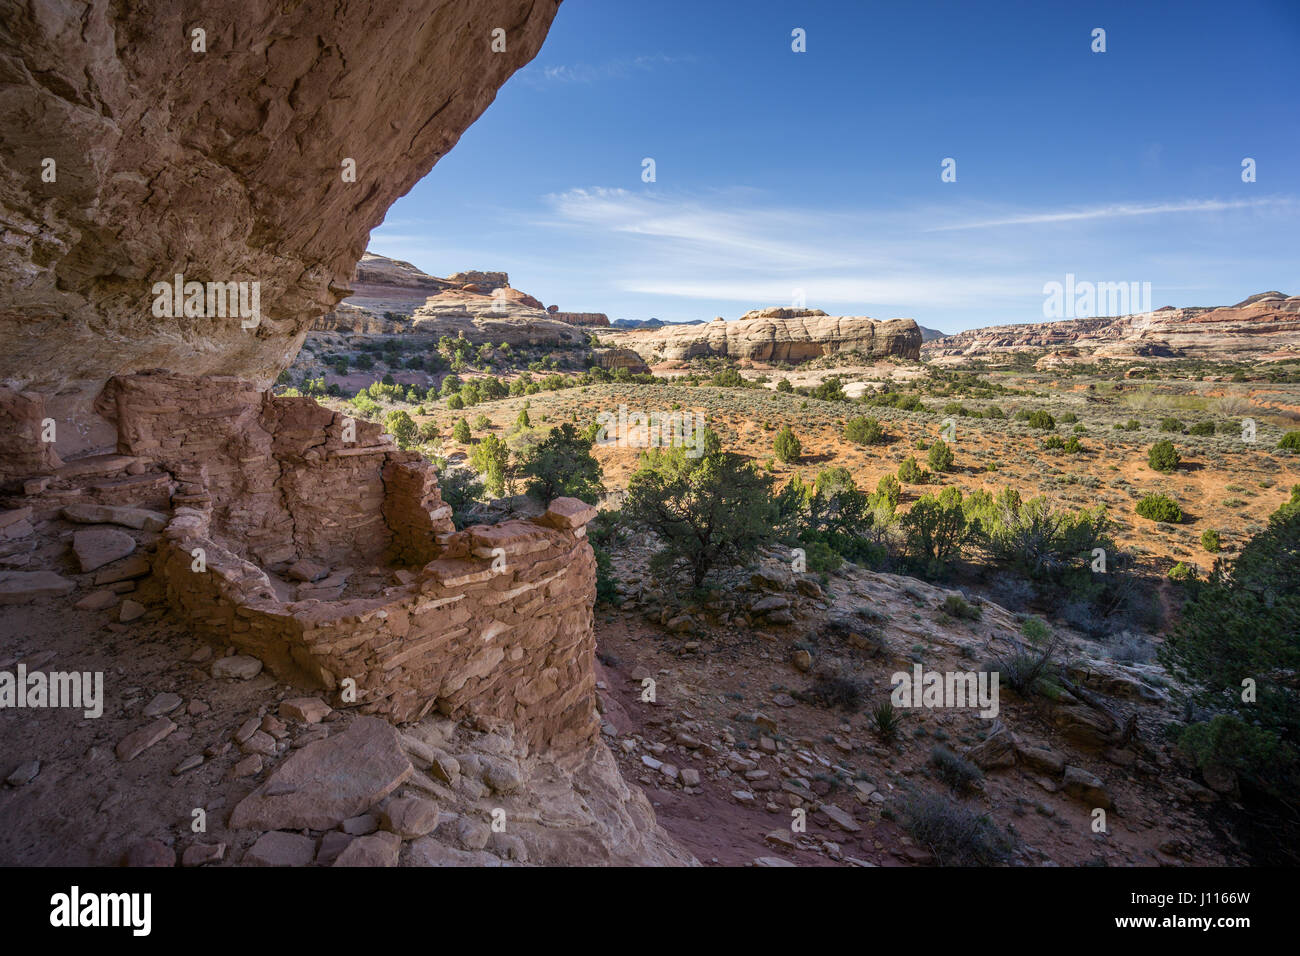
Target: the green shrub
pixel 1202 428
pixel 491 459
pixel 717 510
pixel 954 605
pixel 935 528
pixel 1210 541
pixel 1158 507
pixel 461 432
pixel 1290 442
pixel 1171 425
pixel 864 431
pixel 940 458
pixel 1041 420
pixel 885 720
pixel 562 466
pixel 787 447
pixel 402 427
pixel 909 472
pixel 1163 456
pixel 455 402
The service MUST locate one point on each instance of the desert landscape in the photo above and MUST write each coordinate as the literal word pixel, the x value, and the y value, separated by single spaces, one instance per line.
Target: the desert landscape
pixel 372 567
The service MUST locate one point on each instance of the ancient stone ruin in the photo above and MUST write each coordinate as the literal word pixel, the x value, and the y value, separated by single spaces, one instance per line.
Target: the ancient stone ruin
pixel 260 156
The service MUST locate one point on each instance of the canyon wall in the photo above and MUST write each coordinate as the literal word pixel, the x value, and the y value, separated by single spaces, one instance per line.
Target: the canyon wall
pixel 132 152
pixel 775 335
pixel 1264 327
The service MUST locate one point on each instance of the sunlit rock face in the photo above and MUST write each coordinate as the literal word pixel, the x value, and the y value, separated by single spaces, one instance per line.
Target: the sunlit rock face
pixel 777 335
pixel 135 150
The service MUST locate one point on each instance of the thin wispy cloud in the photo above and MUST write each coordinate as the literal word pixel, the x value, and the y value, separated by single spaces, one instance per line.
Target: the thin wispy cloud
pixel 617 69
pixel 736 246
pixel 1123 210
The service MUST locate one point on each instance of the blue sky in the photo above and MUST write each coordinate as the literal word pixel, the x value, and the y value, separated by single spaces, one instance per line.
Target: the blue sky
pixel 820 171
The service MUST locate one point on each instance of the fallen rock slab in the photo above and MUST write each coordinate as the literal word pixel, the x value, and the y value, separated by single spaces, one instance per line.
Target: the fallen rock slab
pixel 132 745
pixel 237 666
pixel 329 781
pixel 377 849
pixel 24 587
pixel 307 710
pixel 138 518
pixel 96 547
pixel 281 849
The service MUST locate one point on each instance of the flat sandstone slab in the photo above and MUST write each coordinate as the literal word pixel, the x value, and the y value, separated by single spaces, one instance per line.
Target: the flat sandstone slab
pixel 23 587
pixel 96 547
pixel 328 781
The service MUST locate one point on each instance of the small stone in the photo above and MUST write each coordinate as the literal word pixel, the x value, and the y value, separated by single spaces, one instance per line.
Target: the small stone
pixel 307 710
pixel 238 666
pixel 781 838
pixel 377 849
pixel 97 601
pixel 259 743
pixel 690 777
pixel 248 767
pixel 162 704
pixel 410 817
pixel 189 763
pixel 279 848
pixel 246 729
pixel 840 818
pixel 1081 784
pixel 199 854
pixel 136 566
pixel 361 825
pixel 130 611
pixel 307 571
pixel 132 745
pixel 25 773
pixel 201 653
pixel 331 845
pixel 802 660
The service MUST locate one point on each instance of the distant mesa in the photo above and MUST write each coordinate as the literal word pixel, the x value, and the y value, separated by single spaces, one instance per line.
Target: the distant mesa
pixel 775 335
pixel 616 358
pixel 390 297
pixel 1262 327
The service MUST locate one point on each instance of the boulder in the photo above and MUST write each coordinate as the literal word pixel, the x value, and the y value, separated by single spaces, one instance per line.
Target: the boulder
pixel 96 547
pixel 328 781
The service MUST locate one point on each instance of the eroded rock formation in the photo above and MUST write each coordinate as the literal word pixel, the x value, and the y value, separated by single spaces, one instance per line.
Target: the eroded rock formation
pixel 775 335
pixel 227 165
pixel 391 297
pixel 1264 327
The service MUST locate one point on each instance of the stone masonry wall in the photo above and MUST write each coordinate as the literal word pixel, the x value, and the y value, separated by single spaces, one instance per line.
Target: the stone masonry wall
pixel 493 620
pixel 513 641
